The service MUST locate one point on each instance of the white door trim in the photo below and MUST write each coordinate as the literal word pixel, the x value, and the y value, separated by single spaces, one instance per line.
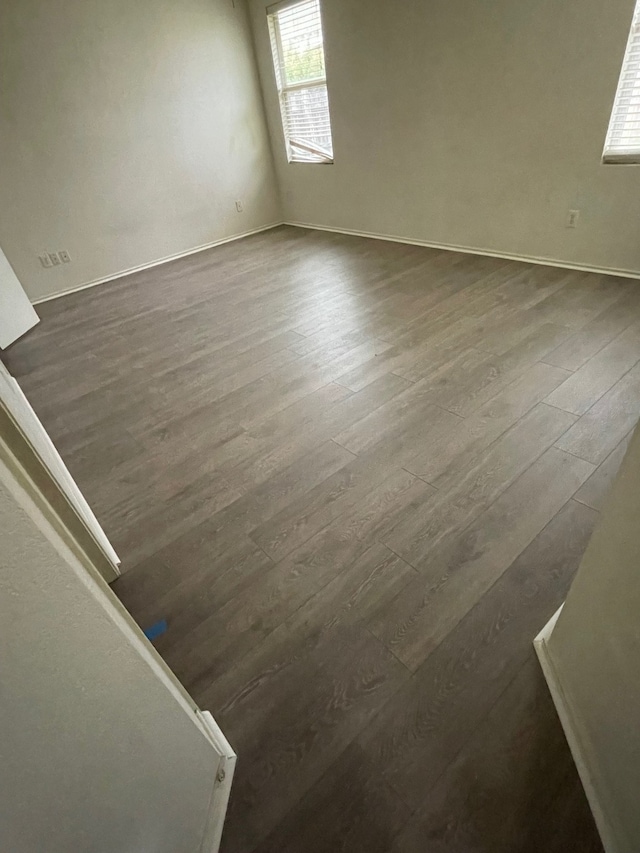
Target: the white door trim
pixel 17 315
pixel 222 788
pixel 27 495
pixel 40 457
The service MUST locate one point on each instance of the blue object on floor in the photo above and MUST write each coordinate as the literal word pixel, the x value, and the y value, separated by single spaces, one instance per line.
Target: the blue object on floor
pixel 155 630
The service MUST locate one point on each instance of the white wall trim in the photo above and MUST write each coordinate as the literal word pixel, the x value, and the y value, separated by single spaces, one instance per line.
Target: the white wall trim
pixel 471 250
pixel 573 736
pixel 157 263
pixel 547 631
pixel 449 247
pixel 222 789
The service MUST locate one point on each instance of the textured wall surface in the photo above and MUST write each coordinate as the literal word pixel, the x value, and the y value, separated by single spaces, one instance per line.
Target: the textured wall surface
pixel 477 125
pixel 97 752
pixel 128 131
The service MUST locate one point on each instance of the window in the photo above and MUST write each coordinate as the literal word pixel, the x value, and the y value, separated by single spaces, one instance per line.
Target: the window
pixel 623 139
pixel 298 58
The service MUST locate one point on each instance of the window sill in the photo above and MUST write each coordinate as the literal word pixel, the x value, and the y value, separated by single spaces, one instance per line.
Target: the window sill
pixel 310 162
pixel 621 160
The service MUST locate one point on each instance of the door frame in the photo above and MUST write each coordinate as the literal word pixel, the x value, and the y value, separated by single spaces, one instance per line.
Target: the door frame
pixel 17 314
pixel 53 497
pixel 16 459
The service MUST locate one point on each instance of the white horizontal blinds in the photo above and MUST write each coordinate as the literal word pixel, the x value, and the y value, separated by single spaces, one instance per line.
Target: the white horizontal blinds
pixel 623 139
pixel 298 53
pixel 301 39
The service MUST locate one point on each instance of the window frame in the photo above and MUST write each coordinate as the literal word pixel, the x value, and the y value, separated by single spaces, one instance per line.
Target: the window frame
pixel 632 156
pixel 284 88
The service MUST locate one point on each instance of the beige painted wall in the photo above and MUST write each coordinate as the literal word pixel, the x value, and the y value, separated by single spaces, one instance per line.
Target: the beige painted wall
pixel 127 132
pixel 470 124
pixel 595 651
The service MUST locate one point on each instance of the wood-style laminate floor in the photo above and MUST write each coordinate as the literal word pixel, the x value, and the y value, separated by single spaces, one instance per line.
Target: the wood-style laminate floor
pixel 356 478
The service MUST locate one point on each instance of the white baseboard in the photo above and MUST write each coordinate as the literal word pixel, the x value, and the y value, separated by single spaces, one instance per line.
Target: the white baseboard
pixel 573 736
pixel 430 244
pixel 156 263
pixel 472 250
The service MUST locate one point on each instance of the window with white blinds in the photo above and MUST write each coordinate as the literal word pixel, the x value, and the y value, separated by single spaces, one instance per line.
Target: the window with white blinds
pixel 298 58
pixel 623 138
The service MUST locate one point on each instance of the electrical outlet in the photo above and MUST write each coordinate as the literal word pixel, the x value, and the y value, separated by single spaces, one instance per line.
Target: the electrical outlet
pixel 45 260
pixel 239 206
pixel 572 218
pixel 55 260
pixel 64 256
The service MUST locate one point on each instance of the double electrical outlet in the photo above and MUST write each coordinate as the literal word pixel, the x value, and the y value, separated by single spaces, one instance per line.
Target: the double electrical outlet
pixel 54 259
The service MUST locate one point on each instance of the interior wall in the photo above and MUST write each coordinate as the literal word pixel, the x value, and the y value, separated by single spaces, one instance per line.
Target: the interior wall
pixel 595 651
pixel 476 125
pixel 99 751
pixel 128 130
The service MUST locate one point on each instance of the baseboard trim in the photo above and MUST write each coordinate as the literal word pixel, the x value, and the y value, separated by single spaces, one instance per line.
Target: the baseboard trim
pixel 156 263
pixel 471 250
pixel 572 734
pixel 429 244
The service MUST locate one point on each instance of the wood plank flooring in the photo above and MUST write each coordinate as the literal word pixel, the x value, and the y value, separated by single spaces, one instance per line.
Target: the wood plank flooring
pixel 356 478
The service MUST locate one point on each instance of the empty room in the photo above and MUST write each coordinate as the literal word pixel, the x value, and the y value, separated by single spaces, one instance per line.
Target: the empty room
pixel 319 375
